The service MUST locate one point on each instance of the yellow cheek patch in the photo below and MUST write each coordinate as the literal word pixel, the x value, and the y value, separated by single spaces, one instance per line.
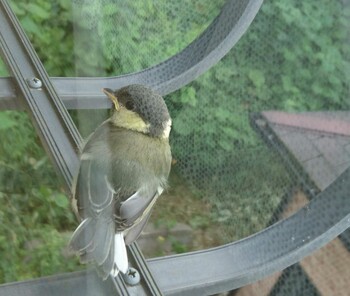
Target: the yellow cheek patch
pixel 129 120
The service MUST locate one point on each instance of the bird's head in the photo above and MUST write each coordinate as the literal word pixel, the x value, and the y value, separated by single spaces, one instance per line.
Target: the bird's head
pixel 137 107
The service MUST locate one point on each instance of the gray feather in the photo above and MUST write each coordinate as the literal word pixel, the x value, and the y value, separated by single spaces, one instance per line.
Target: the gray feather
pixel 134 232
pixel 93 185
pixel 134 207
pixel 106 267
pixel 115 191
pixel 102 241
pixel 93 239
pixel 82 237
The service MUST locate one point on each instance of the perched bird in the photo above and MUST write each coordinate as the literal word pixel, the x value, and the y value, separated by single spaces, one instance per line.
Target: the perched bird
pixel 123 170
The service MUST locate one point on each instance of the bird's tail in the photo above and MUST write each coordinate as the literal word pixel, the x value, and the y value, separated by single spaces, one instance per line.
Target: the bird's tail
pixel 95 241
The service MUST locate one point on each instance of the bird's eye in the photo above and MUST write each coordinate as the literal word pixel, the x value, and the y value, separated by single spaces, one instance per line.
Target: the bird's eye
pixel 129 105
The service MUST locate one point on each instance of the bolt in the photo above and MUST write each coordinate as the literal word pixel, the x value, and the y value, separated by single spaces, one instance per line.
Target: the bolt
pixel 132 277
pixel 34 83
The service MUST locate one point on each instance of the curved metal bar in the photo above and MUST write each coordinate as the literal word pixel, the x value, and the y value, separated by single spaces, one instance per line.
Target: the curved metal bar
pixel 170 75
pixel 237 264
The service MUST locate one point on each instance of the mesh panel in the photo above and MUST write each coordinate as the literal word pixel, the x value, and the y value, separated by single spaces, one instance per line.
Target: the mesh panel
pixel 125 37
pixel 236 167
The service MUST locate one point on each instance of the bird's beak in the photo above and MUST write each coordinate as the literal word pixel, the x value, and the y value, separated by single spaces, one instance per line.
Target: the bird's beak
pixel 110 94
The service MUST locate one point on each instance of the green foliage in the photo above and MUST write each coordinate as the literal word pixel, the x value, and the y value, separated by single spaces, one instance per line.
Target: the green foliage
pixel 3 69
pixel 199 222
pixel 302 55
pixel 128 36
pixel 246 202
pixel 49 26
pixel 177 246
pixel 7 121
pixel 295 56
pixel 34 210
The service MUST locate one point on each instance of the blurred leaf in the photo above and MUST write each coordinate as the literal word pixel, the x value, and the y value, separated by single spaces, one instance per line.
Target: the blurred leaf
pixel 18 9
pixel 61 200
pixel 257 77
pixel 225 144
pixel 6 121
pixel 188 96
pixel 37 11
pixel 110 9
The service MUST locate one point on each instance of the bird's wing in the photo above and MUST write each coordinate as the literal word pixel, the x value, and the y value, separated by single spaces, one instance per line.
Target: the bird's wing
pixel 133 233
pixel 107 210
pixel 137 206
pixel 114 194
pixel 93 191
pixel 137 209
pixel 94 238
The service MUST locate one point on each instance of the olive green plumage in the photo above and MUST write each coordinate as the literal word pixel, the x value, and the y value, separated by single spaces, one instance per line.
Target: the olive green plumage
pixel 124 168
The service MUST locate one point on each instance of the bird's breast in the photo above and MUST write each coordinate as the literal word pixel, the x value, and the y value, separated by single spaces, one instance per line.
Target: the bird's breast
pixel 138 159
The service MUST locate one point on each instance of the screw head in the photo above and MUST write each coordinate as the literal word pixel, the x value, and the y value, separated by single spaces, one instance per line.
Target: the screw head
pixel 34 82
pixel 132 277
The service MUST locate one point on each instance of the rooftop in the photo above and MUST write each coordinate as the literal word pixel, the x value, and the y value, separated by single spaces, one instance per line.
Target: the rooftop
pixel 320 141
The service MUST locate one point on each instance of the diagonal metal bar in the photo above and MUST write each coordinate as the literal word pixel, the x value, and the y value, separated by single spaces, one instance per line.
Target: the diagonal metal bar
pixel 49 116
pixel 54 125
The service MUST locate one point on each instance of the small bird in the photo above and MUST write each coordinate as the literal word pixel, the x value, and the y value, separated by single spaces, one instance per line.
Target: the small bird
pixel 124 167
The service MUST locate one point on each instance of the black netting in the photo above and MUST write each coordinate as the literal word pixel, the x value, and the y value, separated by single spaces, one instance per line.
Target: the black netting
pixel 254 139
pixel 125 37
pixel 238 169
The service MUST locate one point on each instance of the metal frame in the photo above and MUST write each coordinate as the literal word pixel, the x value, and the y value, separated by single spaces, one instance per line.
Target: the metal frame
pixel 166 77
pixel 197 273
pixel 54 125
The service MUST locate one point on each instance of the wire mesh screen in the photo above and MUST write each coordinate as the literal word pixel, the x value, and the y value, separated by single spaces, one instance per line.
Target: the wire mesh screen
pixel 214 147
pixel 253 139
pixel 125 37
pixel 236 168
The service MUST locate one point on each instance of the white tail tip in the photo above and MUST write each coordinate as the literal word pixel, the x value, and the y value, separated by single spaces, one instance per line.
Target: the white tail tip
pixel 120 254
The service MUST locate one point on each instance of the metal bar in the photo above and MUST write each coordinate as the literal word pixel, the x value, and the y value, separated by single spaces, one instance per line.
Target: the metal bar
pixel 144 270
pixel 204 52
pixel 243 262
pixel 66 89
pixel 84 283
pixel 49 116
pixel 54 125
pixel 236 264
pixel 261 126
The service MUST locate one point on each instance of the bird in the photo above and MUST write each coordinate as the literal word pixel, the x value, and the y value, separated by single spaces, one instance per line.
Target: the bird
pixel 124 168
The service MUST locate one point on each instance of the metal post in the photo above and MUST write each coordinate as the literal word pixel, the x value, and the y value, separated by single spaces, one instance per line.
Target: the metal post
pixel 54 125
